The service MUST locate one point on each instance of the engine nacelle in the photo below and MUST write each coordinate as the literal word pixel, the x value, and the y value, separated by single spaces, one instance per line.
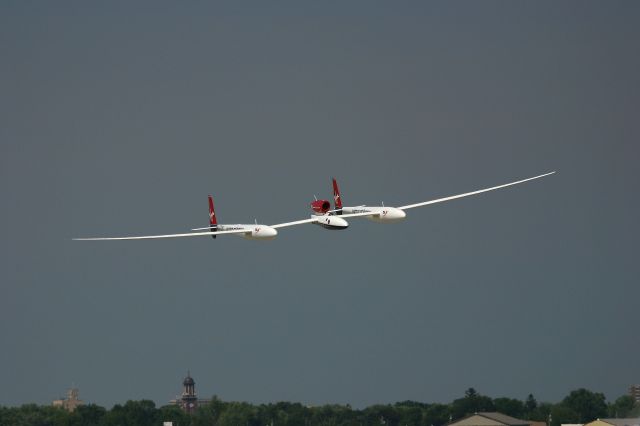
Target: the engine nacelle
pixel 320 206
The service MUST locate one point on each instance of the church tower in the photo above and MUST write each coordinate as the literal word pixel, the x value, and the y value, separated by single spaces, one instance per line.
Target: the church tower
pixel 189 400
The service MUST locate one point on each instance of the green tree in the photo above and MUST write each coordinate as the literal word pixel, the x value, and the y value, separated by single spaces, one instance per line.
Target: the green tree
pixel 530 406
pixel 381 415
pixel 282 413
pixel 132 413
pixel 87 415
pixel 297 414
pixel 34 415
pixel 173 413
pixel 562 413
pixel 237 414
pixel 472 402
pixel 409 416
pixel 622 407
pixel 409 403
pixel 586 404
pixel 531 403
pixel 437 415
pixel 542 412
pixel 208 414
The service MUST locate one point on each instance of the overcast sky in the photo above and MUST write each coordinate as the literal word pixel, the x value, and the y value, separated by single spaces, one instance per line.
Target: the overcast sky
pixel 119 118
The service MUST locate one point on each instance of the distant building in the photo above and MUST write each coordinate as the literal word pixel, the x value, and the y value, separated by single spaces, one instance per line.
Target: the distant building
pixel 490 419
pixel 614 422
pixel 634 391
pixel 189 401
pixel 71 402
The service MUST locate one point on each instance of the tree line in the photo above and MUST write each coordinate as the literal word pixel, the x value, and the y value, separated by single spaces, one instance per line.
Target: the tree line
pixel 580 406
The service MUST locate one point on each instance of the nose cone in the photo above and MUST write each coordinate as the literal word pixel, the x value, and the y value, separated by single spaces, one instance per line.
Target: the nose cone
pixel 397 215
pixel 389 215
pixel 262 232
pixel 332 222
pixel 338 222
pixel 269 232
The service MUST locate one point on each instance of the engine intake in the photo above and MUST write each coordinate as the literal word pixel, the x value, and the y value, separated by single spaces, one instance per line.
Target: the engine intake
pixel 320 206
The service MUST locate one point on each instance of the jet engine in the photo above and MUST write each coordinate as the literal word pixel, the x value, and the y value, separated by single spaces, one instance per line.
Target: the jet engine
pixel 320 206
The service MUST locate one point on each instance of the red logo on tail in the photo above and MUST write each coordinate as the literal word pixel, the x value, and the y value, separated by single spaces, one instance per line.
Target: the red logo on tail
pixel 337 200
pixel 212 213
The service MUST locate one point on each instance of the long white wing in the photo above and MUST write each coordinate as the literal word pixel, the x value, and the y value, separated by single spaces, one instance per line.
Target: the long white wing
pixel 297 222
pixel 466 194
pixel 153 237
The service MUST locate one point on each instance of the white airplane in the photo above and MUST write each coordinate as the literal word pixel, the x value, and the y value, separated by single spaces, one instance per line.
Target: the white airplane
pixel 386 214
pixel 331 219
pixel 250 232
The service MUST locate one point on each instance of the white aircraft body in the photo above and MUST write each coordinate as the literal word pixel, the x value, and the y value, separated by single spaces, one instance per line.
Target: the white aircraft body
pixel 250 232
pixel 329 219
pixel 385 214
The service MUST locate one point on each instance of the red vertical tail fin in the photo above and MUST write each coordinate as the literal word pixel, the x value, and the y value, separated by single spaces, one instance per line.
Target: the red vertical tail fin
pixel 213 221
pixel 337 200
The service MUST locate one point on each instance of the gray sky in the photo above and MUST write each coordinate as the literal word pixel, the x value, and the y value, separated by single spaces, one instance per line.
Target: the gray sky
pixel 119 119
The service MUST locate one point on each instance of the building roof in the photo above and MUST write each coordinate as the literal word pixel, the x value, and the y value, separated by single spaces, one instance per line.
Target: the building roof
pixel 622 422
pixel 188 380
pixel 490 419
pixel 503 418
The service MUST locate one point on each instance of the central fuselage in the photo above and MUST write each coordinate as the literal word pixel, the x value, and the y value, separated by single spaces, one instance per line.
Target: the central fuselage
pixel 330 221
